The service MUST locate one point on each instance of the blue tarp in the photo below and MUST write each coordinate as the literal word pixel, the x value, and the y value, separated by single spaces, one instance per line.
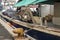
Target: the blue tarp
pixel 27 2
pixel 24 3
pixel 37 1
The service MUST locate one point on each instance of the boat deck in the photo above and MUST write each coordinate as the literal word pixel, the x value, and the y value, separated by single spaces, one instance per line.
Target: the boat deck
pixel 37 28
pixel 42 28
pixel 4 34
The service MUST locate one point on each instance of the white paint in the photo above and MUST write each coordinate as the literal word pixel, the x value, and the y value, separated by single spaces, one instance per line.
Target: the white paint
pixel 52 9
pixel 46 9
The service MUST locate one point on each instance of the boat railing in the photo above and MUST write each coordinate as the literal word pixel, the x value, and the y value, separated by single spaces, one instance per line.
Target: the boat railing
pixel 10 29
pixel 35 26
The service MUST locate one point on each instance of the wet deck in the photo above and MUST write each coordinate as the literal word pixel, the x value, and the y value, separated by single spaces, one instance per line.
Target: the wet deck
pixel 4 34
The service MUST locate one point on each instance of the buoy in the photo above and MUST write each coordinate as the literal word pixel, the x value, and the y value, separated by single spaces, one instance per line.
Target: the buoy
pixel 19 31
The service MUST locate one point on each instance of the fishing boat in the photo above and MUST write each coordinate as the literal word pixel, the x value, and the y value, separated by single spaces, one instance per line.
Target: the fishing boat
pixel 32 24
